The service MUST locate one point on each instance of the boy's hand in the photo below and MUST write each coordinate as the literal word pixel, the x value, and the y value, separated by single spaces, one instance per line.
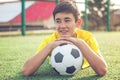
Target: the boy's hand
pixel 69 40
pixel 58 42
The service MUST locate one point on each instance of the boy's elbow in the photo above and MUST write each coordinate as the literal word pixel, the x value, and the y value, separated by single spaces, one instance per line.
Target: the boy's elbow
pixel 25 72
pixel 102 72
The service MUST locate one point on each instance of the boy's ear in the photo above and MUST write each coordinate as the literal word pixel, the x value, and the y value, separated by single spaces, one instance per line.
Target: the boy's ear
pixel 79 22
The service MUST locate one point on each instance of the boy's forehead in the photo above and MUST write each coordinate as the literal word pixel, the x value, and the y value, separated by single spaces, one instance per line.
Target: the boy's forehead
pixel 64 15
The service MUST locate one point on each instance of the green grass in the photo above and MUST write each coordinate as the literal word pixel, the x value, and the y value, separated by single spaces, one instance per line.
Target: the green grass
pixel 15 50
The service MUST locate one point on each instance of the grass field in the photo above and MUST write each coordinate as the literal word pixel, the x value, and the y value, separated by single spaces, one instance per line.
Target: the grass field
pixel 15 50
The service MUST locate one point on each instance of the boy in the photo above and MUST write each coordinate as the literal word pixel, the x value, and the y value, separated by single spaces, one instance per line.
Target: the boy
pixel 67 20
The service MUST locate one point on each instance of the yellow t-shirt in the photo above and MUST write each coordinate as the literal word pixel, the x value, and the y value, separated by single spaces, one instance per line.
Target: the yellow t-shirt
pixel 82 34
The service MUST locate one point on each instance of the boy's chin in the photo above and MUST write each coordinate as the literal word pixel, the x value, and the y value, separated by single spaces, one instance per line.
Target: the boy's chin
pixel 65 36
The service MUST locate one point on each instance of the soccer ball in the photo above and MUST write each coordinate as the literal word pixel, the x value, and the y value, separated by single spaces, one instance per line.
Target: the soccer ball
pixel 66 59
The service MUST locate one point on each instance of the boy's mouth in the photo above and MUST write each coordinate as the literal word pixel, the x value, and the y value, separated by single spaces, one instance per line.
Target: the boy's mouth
pixel 63 31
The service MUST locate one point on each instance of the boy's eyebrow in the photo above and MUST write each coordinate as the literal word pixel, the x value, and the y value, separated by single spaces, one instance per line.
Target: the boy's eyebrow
pixel 64 18
pixel 57 19
pixel 67 18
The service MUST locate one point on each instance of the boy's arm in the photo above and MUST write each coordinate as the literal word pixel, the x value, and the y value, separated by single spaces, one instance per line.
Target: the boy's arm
pixel 32 64
pixel 96 61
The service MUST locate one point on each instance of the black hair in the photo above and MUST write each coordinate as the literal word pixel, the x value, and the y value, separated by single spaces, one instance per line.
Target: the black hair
pixel 67 7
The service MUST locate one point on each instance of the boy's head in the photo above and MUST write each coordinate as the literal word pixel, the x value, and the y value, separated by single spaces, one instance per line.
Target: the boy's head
pixel 67 7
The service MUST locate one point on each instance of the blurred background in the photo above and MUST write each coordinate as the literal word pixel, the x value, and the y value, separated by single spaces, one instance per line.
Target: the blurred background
pixel 35 15
pixel 24 24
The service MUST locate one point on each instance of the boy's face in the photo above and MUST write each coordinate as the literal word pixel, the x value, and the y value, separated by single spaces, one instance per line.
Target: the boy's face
pixel 65 24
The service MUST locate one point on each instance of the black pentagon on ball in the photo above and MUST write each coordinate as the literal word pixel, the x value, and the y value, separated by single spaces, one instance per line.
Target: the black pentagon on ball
pixel 70 69
pixel 58 57
pixel 75 53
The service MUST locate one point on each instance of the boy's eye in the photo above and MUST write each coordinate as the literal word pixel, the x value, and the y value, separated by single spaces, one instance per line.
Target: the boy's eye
pixel 67 20
pixel 58 21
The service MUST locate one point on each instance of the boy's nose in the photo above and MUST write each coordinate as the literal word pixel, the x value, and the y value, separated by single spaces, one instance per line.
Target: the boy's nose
pixel 62 25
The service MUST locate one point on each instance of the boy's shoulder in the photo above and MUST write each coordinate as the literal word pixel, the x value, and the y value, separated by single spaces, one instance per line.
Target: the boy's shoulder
pixel 83 33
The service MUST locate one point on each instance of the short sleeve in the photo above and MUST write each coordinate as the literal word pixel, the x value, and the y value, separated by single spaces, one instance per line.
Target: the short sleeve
pixel 46 41
pixel 42 45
